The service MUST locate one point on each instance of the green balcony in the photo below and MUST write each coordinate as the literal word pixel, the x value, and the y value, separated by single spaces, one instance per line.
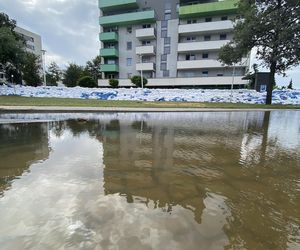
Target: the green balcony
pixel 109 68
pixel 108 37
pixel 209 9
pixel 128 18
pixel 109 52
pixel 112 5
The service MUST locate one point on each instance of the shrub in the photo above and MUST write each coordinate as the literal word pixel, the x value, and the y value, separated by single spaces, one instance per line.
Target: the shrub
pixel 137 81
pixel 87 82
pixel 114 83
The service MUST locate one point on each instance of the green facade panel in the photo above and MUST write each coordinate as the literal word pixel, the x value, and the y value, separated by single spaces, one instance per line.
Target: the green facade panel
pixel 207 9
pixel 109 68
pixel 109 52
pixel 128 18
pixel 111 5
pixel 108 37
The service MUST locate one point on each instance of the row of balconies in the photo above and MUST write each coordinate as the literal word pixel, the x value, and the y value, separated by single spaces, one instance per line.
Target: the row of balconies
pixel 181 65
pixel 186 29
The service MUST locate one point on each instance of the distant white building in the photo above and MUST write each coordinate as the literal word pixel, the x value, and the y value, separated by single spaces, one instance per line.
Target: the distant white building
pixel 33 44
pixel 33 41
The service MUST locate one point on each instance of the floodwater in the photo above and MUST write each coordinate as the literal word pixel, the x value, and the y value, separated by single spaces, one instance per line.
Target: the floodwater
pixel 150 181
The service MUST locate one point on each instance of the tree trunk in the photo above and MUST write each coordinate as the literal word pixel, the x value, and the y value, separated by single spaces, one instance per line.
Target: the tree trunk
pixel 271 83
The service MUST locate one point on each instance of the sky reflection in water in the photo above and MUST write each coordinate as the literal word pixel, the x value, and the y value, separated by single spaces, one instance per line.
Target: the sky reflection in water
pixel 151 181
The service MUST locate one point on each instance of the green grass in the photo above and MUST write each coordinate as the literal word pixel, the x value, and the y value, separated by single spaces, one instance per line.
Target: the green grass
pixel 68 102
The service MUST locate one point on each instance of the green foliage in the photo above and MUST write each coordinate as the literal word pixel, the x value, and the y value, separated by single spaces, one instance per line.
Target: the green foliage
pixel 31 69
pixel 50 80
pixel 93 68
pixel 137 81
pixel 114 83
pixel 272 27
pixel 87 82
pixel 290 86
pixel 72 74
pixel 55 71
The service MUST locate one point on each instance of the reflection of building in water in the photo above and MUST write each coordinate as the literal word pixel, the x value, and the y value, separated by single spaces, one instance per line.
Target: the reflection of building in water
pixel 165 163
pixel 21 145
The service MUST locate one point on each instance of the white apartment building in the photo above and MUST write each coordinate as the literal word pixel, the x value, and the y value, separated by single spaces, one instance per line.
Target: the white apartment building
pixel 173 43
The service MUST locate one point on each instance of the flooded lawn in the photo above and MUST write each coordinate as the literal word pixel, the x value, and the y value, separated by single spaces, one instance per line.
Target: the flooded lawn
pixel 150 181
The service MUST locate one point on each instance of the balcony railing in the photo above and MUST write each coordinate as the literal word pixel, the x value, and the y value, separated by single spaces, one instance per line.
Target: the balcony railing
pixel 109 52
pixel 108 37
pixel 145 50
pixel 111 5
pixel 128 18
pixel 150 66
pixel 209 9
pixel 201 46
pixel 148 33
pixel 109 68
pixel 197 28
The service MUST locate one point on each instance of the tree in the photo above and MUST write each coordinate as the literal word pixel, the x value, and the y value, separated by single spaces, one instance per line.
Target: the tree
pixel 72 75
pixel 273 28
pixel 137 81
pixel 93 68
pixel 12 48
pixel 290 86
pixel 54 74
pixel 87 82
pixel 31 69
pixel 114 83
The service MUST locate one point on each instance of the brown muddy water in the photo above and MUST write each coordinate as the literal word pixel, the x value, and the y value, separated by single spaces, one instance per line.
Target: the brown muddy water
pixel 150 181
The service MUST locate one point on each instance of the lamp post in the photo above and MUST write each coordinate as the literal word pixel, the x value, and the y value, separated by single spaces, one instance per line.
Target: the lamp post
pixel 232 83
pixel 142 79
pixel 44 66
pixel 12 81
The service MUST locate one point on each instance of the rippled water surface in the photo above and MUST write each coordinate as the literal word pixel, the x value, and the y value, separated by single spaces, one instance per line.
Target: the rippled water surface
pixel 150 181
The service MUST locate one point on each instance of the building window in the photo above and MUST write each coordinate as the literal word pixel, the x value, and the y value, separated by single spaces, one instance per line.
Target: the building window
pixel 163 66
pixel 208 19
pixel 205 55
pixel 167 50
pixel 110 76
pixel 204 73
pixel 129 75
pixel 164 33
pixel 191 21
pixel 220 74
pixel 224 18
pixel 111 61
pixel 167 40
pixel 129 30
pixel 223 37
pixel 164 24
pixel 129 45
pixel 166 73
pixel 129 61
pixel 146 43
pixel 167 16
pixel 146 26
pixel 163 58
pixel 191 39
pixel 207 38
pixel 190 57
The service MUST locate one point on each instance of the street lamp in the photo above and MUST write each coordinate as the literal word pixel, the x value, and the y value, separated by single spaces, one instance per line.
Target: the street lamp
pixel 142 79
pixel 44 66
pixel 12 81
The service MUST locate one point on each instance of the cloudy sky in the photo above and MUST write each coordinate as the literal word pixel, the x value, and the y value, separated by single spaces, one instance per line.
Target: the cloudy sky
pixel 69 29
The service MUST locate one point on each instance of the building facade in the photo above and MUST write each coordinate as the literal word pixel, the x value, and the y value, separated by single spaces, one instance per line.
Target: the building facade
pixel 33 41
pixel 173 43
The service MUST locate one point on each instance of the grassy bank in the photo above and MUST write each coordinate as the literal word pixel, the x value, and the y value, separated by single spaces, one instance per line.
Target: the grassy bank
pixel 67 102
